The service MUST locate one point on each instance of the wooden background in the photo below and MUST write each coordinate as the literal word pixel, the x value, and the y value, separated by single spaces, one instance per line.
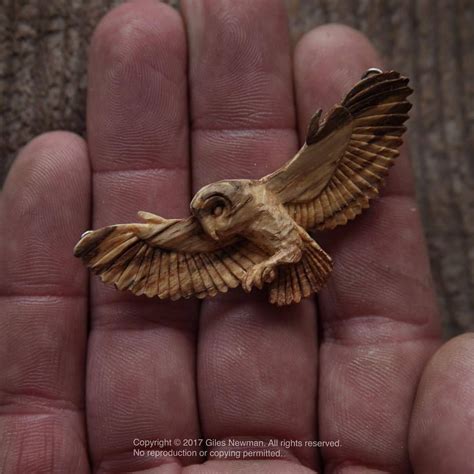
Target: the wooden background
pixel 43 46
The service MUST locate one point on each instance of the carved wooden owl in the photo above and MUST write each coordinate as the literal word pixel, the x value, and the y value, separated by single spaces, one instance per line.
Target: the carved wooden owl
pixel 255 232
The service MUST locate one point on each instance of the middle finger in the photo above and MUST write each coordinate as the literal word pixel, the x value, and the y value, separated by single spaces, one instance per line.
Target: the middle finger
pixel 256 363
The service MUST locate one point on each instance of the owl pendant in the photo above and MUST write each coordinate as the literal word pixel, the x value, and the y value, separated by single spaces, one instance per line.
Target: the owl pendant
pixel 255 232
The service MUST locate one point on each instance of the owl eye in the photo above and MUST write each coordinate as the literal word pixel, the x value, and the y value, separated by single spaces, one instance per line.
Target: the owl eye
pixel 217 211
pixel 215 205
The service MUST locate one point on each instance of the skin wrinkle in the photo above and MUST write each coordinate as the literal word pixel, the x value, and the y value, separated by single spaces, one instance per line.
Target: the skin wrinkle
pixel 23 401
pixel 249 131
pixel 41 295
pixel 162 169
pixel 355 334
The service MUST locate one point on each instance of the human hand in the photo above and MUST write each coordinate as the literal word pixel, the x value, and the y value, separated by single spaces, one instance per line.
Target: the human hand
pixel 85 373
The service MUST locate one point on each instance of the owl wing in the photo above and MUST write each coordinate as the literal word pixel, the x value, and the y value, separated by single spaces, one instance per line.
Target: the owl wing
pixel 166 258
pixel 345 159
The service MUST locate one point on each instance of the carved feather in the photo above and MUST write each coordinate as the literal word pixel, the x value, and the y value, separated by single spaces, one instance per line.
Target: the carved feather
pixel 301 279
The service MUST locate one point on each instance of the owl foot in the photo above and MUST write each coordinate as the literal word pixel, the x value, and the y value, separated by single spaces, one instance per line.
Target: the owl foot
pixel 258 275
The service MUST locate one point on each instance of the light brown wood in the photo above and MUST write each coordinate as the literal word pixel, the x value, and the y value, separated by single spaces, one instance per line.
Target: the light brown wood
pixel 255 232
pixel 43 87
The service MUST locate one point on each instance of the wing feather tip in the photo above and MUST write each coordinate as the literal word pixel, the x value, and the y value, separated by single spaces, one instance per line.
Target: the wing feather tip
pixel 90 239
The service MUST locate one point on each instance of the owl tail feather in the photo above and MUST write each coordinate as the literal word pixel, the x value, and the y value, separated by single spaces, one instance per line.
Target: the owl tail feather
pixel 300 280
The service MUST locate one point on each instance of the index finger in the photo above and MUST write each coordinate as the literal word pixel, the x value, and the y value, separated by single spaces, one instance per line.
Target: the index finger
pixel 378 312
pixel 137 125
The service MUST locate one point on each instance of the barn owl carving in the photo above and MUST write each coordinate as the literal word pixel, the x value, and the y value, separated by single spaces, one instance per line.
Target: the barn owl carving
pixel 256 232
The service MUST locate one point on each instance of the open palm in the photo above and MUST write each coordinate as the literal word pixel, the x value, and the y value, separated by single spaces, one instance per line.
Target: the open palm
pixel 89 374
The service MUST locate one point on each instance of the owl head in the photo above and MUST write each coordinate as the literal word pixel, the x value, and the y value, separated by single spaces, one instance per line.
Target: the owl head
pixel 217 206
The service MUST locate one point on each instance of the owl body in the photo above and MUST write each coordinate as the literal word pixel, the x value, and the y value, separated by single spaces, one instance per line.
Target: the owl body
pixel 246 208
pixel 273 229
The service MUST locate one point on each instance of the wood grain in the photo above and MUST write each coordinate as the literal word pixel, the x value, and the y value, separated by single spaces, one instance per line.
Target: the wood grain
pixel 43 48
pixel 254 232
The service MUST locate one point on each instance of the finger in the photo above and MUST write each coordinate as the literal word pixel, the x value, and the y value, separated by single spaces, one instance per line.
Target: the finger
pixel 43 318
pixel 251 355
pixel 378 312
pixel 142 352
pixel 441 430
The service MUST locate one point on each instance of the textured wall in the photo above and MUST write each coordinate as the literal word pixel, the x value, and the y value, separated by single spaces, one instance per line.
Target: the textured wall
pixel 43 47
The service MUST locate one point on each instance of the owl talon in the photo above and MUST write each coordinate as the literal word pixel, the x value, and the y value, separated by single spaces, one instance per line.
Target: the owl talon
pixel 259 275
pixel 269 274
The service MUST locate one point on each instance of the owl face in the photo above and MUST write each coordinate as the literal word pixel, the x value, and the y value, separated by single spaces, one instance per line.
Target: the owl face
pixel 217 207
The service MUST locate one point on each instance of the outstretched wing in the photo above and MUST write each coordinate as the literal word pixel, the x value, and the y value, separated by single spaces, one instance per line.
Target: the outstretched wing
pixel 345 159
pixel 166 258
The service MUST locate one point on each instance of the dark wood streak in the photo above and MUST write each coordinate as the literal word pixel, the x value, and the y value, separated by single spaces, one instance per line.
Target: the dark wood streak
pixel 313 127
pixel 88 248
pixel 374 93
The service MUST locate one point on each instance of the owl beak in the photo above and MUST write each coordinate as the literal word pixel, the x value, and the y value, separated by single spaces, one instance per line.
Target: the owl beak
pixel 208 226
